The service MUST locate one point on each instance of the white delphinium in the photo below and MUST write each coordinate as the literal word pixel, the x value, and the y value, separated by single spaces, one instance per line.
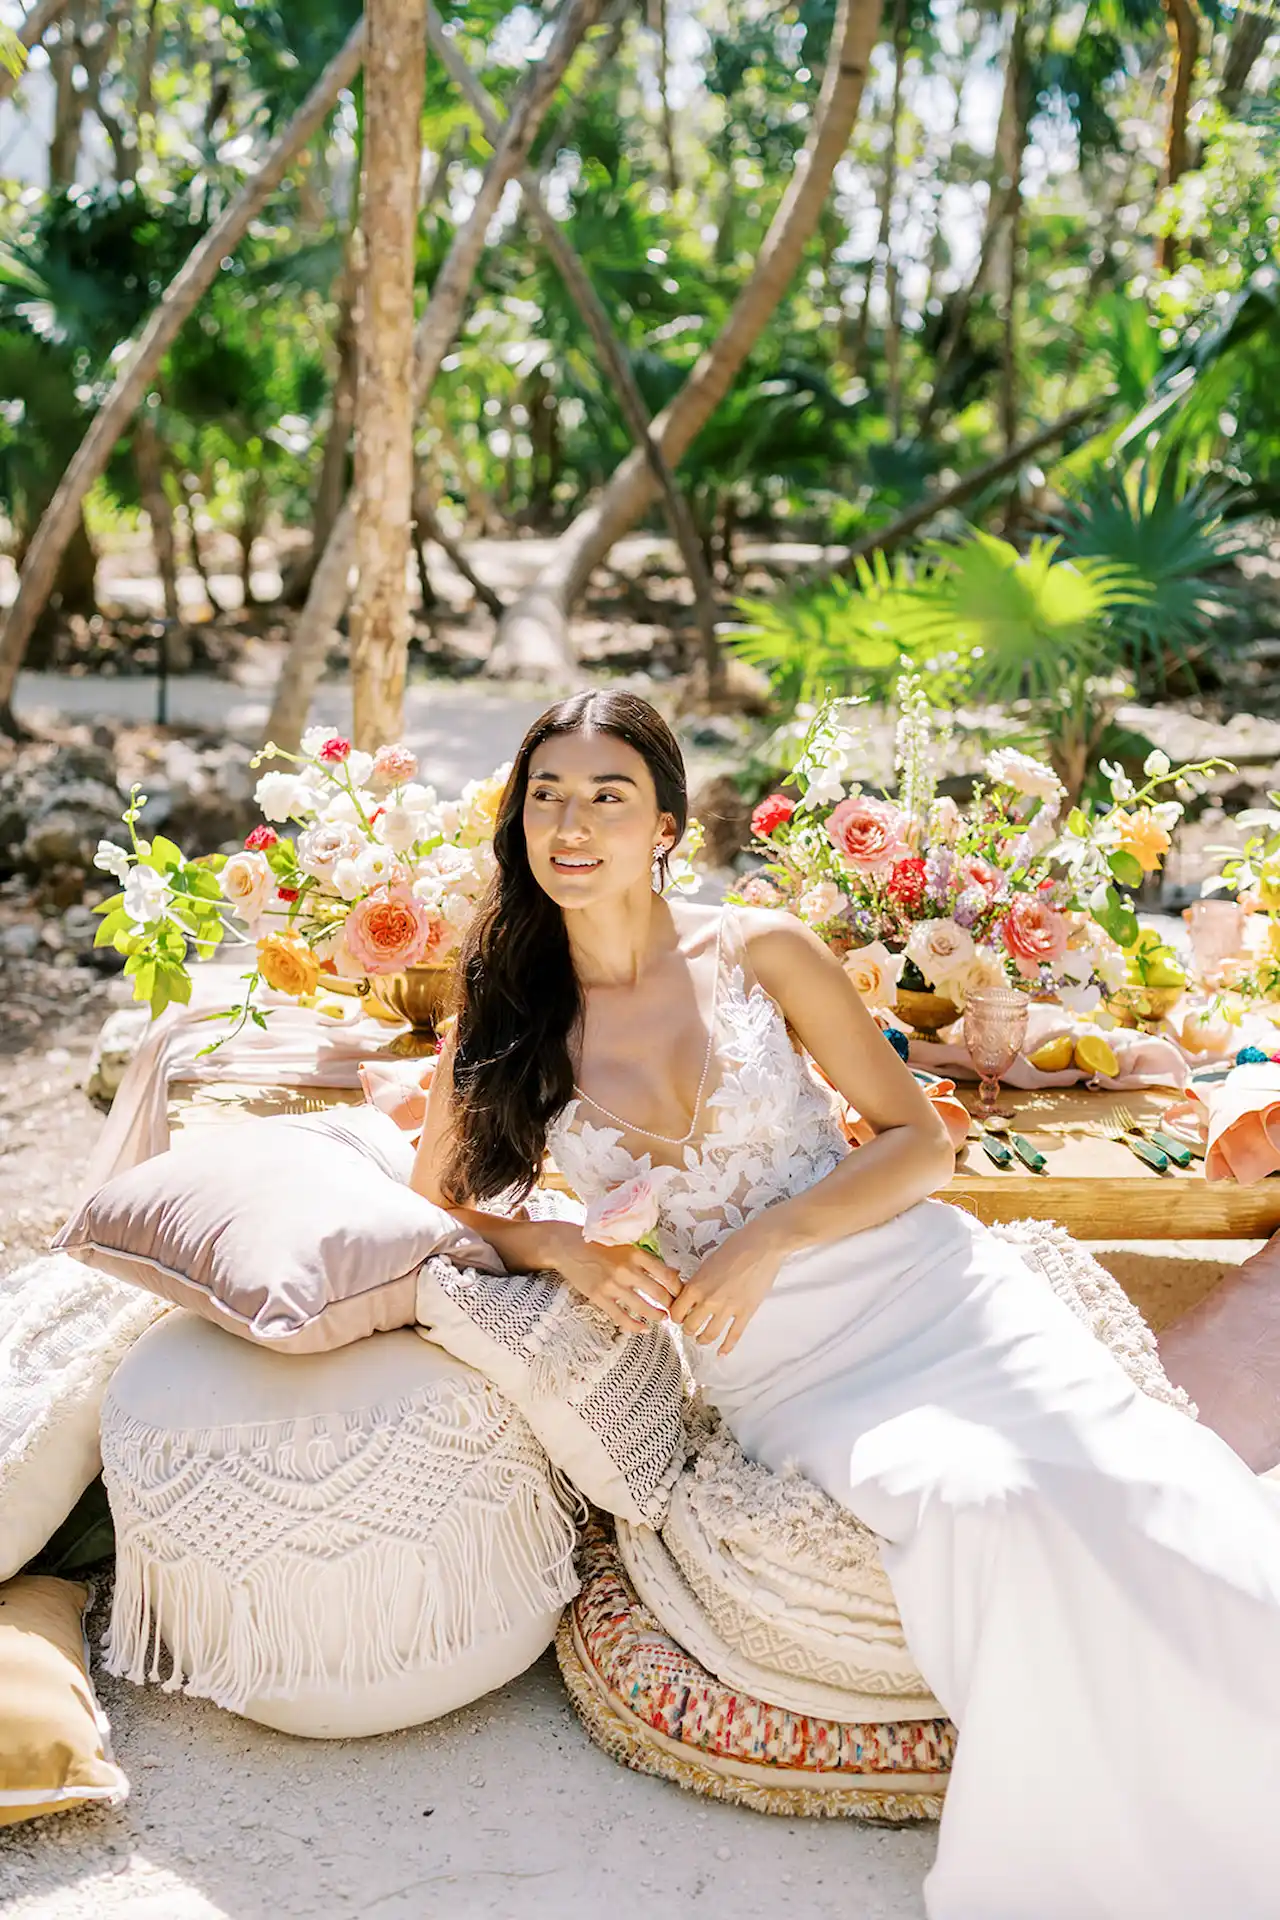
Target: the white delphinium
pixel 113 860
pixel 913 749
pixel 822 768
pixel 146 896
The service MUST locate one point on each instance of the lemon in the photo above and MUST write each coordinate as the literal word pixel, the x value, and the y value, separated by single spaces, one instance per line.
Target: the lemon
pixel 1054 1056
pixel 1095 1056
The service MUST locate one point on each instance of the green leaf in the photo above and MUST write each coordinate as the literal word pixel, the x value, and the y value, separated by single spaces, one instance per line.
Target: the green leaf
pixel 114 923
pixel 180 987
pixel 1115 918
pixel 144 978
pixel 202 883
pixel 1077 823
pixel 164 854
pixel 109 906
pixel 1126 869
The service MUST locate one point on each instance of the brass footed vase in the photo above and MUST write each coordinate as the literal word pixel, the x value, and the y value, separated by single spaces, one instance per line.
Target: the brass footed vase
pixel 419 995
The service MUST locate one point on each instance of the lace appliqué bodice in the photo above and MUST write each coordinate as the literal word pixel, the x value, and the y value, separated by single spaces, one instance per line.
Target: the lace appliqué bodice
pixel 770 1132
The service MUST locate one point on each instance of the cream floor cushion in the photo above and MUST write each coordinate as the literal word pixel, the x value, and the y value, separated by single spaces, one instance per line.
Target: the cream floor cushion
pixel 63 1331
pixel 331 1544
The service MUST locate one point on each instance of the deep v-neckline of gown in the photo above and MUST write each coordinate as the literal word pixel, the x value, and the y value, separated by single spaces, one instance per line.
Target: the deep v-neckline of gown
pixel 686 1139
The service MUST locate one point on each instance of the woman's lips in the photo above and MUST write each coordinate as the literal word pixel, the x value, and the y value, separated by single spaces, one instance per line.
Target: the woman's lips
pixel 574 863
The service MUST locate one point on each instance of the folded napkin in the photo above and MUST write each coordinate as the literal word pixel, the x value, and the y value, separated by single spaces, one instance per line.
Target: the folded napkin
pixel 1244 1125
pixel 1144 1059
pixel 399 1088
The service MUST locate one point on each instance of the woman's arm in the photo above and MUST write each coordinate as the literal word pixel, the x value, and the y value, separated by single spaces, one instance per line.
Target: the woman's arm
pixel 610 1277
pixel 910 1157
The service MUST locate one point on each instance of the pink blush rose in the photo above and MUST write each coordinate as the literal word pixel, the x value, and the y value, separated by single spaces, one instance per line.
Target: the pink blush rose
pixel 870 835
pixel 626 1215
pixel 1035 934
pixel 388 930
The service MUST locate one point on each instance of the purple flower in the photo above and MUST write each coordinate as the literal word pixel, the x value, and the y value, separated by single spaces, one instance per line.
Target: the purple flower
pixel 937 875
pixel 971 904
pixel 1020 853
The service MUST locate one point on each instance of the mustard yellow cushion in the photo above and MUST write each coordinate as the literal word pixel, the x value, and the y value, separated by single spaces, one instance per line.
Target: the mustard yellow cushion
pixel 55 1744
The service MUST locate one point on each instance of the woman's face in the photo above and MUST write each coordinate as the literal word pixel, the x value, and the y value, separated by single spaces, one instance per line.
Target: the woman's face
pixel 591 818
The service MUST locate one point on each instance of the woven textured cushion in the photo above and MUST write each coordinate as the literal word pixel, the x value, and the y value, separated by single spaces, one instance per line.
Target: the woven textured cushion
pixel 608 1406
pixel 55 1744
pixel 298 1233
pixel 332 1544
pixel 654 1707
pixel 63 1332
pixel 662 1587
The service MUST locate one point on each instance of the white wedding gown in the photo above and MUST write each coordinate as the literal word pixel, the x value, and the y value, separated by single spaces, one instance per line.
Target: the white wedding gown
pixel 1089 1581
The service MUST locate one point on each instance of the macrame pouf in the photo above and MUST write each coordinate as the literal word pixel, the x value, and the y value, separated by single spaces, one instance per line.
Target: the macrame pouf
pixel 651 1705
pixel 331 1544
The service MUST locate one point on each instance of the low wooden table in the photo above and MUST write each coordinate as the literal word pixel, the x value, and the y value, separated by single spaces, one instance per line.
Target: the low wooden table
pixel 1095 1187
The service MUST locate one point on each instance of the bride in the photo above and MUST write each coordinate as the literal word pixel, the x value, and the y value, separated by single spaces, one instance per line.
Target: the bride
pixel 1089 1581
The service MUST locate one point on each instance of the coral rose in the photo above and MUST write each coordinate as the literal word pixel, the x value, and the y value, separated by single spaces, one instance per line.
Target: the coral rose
pixel 874 972
pixel 869 834
pixel 1034 933
pixel 1142 836
pixel 248 886
pixel 772 813
pixel 388 930
pixel 287 964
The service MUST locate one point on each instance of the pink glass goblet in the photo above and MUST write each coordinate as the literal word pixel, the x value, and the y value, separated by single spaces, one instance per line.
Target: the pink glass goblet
pixel 995 1027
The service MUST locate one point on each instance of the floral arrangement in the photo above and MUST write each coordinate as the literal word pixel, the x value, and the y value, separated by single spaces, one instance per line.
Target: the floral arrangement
pixel 1252 874
pixel 380 874
pixel 919 893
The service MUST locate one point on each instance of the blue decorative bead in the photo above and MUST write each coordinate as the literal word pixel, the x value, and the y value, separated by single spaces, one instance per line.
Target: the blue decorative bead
pixel 898 1041
pixel 1251 1057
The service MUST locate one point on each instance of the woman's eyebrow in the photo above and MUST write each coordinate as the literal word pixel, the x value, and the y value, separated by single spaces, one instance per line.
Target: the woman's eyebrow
pixel 597 779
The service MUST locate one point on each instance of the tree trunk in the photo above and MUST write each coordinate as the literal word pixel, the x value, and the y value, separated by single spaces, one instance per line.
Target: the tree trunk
pixel 1011 143
pixel 659 23
pixel 1184 31
pixel 394 85
pixel 1253 28
pixel 888 184
pixel 137 371
pixel 304 662
pixel 533 637
pixel 35 25
pixel 148 461
pixel 613 360
pixel 68 105
pixel 429 528
pixel 331 488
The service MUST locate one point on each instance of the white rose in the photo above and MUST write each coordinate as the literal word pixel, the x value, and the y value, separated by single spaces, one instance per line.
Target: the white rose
pixel 321 847
pixel 399 827
pixel 280 795
pixel 377 867
pixel 940 949
pixel 874 972
pixel 113 860
pixel 314 738
pixel 457 910
pixel 1006 767
pixel 359 766
pixel 986 969
pixel 448 818
pixel 452 866
pixel 345 880
pixel 248 886
pixel 820 903
pixel 146 896
pixel 343 809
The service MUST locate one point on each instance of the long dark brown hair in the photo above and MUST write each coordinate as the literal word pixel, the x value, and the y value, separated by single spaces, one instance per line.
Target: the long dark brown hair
pixel 519 1002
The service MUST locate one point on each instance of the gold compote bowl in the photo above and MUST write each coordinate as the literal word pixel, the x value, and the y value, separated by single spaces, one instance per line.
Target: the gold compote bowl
pixel 419 995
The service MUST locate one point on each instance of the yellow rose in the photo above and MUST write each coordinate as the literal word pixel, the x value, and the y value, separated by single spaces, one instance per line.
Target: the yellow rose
pixel 480 802
pixel 287 964
pixel 1142 836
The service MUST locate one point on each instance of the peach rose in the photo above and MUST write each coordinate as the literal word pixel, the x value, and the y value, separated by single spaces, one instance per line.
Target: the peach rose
pixel 626 1215
pixel 874 972
pixel 869 834
pixel 248 886
pixel 820 903
pixel 388 930
pixel 1034 934
pixel 1142 836
pixel 287 964
pixel 759 891
pixel 393 765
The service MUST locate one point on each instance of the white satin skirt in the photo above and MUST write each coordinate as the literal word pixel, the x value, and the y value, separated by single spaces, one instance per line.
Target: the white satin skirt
pixel 1089 1581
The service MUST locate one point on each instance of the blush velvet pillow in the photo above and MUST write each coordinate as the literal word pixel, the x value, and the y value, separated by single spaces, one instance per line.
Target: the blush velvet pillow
pixel 299 1233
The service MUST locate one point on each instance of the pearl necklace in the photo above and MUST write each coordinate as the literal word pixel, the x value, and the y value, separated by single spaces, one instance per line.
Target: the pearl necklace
pixel 647 1132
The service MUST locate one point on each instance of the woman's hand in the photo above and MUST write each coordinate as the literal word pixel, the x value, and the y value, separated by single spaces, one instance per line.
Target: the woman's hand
pixel 726 1290
pixel 615 1279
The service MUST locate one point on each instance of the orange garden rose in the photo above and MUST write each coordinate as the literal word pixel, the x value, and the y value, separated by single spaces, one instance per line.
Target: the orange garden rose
pixel 287 964
pixel 1142 836
pixel 1034 934
pixel 388 930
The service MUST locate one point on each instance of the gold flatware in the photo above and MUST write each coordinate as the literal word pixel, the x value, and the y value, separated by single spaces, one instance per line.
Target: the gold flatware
pixel 1121 1128
pixel 1031 1157
pixel 1177 1150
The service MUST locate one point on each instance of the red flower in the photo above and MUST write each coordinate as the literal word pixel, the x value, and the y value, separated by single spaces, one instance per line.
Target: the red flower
pixel 334 750
pixel 772 814
pixel 261 838
pixel 287 893
pixel 907 882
